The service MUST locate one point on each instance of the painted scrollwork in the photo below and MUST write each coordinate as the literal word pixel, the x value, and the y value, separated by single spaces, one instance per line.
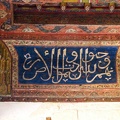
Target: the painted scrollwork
pixel 5 70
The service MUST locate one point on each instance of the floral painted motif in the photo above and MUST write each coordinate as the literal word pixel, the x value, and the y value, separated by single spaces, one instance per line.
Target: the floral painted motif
pixel 27 29
pixel 2 13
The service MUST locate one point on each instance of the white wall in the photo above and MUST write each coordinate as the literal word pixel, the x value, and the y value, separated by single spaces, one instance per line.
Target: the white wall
pixel 59 111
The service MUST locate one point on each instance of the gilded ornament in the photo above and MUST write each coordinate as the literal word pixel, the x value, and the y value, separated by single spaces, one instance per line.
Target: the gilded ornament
pixel 5 70
pixel 26 1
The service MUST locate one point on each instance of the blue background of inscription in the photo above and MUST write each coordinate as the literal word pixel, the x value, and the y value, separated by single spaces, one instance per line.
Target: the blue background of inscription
pixel 32 76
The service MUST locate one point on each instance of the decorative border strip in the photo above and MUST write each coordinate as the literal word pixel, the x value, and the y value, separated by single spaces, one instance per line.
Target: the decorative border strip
pixel 35 99
pixel 48 37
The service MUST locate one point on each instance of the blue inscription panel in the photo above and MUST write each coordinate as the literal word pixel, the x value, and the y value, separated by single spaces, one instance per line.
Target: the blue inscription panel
pixel 66 65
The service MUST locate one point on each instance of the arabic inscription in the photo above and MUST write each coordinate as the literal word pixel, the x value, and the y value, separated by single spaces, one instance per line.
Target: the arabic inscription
pixel 66 65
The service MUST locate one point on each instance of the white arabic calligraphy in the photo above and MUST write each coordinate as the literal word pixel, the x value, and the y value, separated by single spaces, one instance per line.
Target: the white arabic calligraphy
pixel 68 68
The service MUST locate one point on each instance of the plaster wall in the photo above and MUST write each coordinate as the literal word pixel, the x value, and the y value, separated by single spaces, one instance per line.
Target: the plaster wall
pixel 59 111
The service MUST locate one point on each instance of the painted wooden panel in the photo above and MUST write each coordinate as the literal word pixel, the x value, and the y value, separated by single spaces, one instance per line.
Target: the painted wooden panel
pixel 37 41
pixel 64 70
